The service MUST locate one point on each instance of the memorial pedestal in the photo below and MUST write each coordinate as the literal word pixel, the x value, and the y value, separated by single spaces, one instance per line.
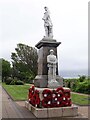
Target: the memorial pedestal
pixel 44 46
pixel 53 112
pixel 50 102
pixel 48 98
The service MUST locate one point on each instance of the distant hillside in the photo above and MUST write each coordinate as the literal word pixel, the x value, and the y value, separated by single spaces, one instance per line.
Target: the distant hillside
pixel 73 73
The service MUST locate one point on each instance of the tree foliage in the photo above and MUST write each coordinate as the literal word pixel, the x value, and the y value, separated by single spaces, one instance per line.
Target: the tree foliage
pixel 6 69
pixel 24 62
pixel 80 84
pixel 81 78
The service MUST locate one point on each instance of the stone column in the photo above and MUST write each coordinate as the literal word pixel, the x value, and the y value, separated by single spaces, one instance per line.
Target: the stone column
pixel 44 46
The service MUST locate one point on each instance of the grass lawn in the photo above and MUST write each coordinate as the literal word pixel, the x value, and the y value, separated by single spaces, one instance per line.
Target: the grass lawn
pixel 17 92
pixel 80 99
pixel 20 92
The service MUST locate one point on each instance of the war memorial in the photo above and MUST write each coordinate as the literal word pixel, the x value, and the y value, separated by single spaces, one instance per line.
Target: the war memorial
pixel 47 98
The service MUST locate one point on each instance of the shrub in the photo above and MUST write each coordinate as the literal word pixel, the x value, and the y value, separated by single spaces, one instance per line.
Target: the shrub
pixel 16 82
pixel 19 82
pixel 66 82
pixel 70 83
pixel 74 85
pixel 8 80
pixel 83 87
pixel 82 78
pixel 13 82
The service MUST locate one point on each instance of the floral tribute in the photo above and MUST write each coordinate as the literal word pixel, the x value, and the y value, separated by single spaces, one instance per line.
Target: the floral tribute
pixel 33 97
pixel 50 98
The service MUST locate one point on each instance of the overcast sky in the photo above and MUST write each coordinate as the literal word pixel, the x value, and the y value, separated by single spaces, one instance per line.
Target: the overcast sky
pixel 21 22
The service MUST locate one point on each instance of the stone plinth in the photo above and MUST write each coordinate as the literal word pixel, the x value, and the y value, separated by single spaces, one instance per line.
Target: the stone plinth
pixel 70 111
pixel 49 102
pixel 52 112
pixel 47 42
pixel 44 46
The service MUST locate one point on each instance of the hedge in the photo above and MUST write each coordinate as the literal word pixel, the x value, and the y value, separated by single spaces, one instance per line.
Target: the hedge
pixel 81 84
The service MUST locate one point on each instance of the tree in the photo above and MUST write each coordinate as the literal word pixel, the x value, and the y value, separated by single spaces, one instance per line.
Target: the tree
pixel 82 78
pixel 24 62
pixel 6 69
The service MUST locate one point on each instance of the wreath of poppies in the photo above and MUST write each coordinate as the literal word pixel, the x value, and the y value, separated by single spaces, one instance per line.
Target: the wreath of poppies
pixel 56 98
pixel 31 92
pixel 51 98
pixel 35 100
pixel 47 98
pixel 33 97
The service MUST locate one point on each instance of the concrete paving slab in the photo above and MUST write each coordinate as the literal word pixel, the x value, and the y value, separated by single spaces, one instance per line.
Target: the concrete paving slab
pixel 10 109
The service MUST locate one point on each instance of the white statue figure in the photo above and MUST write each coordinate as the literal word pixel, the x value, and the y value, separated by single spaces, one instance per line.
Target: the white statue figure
pixel 47 23
pixel 52 64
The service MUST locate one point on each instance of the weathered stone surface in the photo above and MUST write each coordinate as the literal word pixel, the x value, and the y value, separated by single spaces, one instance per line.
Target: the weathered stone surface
pixel 55 112
pixel 27 104
pixel 39 113
pixel 60 80
pixel 44 46
pixel 29 107
pixel 70 111
pixel 47 42
pixel 41 81
pixel 53 84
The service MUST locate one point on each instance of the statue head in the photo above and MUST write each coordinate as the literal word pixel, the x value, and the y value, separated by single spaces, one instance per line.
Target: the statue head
pixel 46 8
pixel 51 51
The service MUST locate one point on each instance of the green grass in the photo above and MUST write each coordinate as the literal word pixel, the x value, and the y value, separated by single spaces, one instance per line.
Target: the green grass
pixel 17 92
pixel 80 99
pixel 20 92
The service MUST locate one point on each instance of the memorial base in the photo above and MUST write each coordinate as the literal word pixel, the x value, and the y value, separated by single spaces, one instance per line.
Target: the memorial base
pixel 44 46
pixel 41 81
pixel 50 102
pixel 71 111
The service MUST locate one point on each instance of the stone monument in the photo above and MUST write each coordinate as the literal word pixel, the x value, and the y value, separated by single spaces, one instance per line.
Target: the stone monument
pixel 44 46
pixel 48 98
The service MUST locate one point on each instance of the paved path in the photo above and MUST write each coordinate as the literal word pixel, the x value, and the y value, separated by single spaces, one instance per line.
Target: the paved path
pixel 84 110
pixel 10 109
pixel 80 94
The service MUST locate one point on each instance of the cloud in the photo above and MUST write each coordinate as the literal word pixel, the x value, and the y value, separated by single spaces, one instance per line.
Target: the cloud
pixel 21 22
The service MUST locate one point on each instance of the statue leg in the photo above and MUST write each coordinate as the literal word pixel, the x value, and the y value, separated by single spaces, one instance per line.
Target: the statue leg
pixel 54 72
pixel 50 74
pixel 46 31
pixel 51 32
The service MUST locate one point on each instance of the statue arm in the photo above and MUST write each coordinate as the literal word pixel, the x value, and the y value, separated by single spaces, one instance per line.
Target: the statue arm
pixel 44 17
pixel 48 60
pixel 55 60
pixel 51 62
